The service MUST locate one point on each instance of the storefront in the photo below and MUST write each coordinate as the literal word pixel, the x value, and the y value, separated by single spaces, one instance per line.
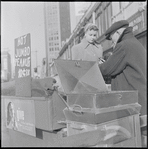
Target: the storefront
pixel 139 23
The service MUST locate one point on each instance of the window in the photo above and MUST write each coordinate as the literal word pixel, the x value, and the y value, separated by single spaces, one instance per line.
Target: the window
pixel 98 22
pixel 101 24
pixel 108 16
pixel 104 20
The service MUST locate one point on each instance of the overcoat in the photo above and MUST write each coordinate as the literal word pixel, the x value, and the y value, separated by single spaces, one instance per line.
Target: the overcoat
pixel 86 51
pixel 127 67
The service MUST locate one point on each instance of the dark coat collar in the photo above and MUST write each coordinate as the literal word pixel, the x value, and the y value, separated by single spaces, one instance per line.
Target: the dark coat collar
pixel 127 33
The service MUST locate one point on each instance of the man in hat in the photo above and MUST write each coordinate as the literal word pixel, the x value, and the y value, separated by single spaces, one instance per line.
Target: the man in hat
pixel 88 49
pixel 127 64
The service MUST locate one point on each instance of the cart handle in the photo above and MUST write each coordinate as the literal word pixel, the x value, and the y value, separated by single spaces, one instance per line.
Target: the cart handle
pixel 77 109
pixel 79 128
pixel 116 128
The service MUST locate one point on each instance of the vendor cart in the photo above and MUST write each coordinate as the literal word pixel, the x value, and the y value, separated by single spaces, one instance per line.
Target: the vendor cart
pixel 80 112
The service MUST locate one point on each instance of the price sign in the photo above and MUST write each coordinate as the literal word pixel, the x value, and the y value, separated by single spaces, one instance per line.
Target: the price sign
pixel 23 65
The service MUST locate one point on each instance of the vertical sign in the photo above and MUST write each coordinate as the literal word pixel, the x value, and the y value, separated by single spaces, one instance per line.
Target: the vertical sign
pixel 20 115
pixel 23 66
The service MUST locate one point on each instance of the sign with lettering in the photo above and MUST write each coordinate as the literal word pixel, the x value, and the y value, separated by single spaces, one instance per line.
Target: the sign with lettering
pixel 136 21
pixel 20 115
pixel 23 65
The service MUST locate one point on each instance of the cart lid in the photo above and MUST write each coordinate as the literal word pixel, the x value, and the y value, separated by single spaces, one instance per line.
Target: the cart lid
pixel 80 76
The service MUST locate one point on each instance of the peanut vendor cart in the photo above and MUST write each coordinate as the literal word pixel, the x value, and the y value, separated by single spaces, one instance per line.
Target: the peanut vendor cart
pixel 80 112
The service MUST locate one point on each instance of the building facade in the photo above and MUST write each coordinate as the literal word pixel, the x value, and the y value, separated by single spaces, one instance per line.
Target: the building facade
pixel 57 29
pixel 104 14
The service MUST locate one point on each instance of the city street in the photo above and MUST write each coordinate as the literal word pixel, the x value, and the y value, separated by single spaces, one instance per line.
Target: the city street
pixel 73 74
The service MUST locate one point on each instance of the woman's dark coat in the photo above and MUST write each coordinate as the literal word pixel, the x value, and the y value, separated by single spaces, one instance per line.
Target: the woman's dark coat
pixel 127 67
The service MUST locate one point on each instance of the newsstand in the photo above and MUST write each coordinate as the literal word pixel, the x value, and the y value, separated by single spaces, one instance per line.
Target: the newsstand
pixel 90 106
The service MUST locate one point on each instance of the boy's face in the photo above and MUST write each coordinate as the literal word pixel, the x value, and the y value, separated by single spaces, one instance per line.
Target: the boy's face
pixel 91 36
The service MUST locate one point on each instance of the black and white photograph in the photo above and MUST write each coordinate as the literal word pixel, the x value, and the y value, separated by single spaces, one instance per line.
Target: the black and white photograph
pixel 74 74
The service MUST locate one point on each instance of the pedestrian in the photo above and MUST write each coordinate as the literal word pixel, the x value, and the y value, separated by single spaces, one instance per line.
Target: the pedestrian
pixel 88 49
pixel 127 64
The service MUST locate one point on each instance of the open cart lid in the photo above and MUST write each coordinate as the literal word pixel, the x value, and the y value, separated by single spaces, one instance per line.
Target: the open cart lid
pixel 80 76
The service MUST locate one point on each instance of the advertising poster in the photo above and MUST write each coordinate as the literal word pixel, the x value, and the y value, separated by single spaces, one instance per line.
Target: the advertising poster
pixel 23 66
pixel 20 115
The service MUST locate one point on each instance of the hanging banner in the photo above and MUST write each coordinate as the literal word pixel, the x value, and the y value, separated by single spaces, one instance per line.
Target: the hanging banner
pixel 23 66
pixel 20 115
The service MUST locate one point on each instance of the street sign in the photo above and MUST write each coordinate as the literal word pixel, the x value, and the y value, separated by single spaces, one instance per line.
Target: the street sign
pixel 23 65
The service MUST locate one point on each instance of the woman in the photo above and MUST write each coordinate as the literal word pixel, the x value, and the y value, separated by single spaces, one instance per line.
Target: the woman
pixel 88 49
